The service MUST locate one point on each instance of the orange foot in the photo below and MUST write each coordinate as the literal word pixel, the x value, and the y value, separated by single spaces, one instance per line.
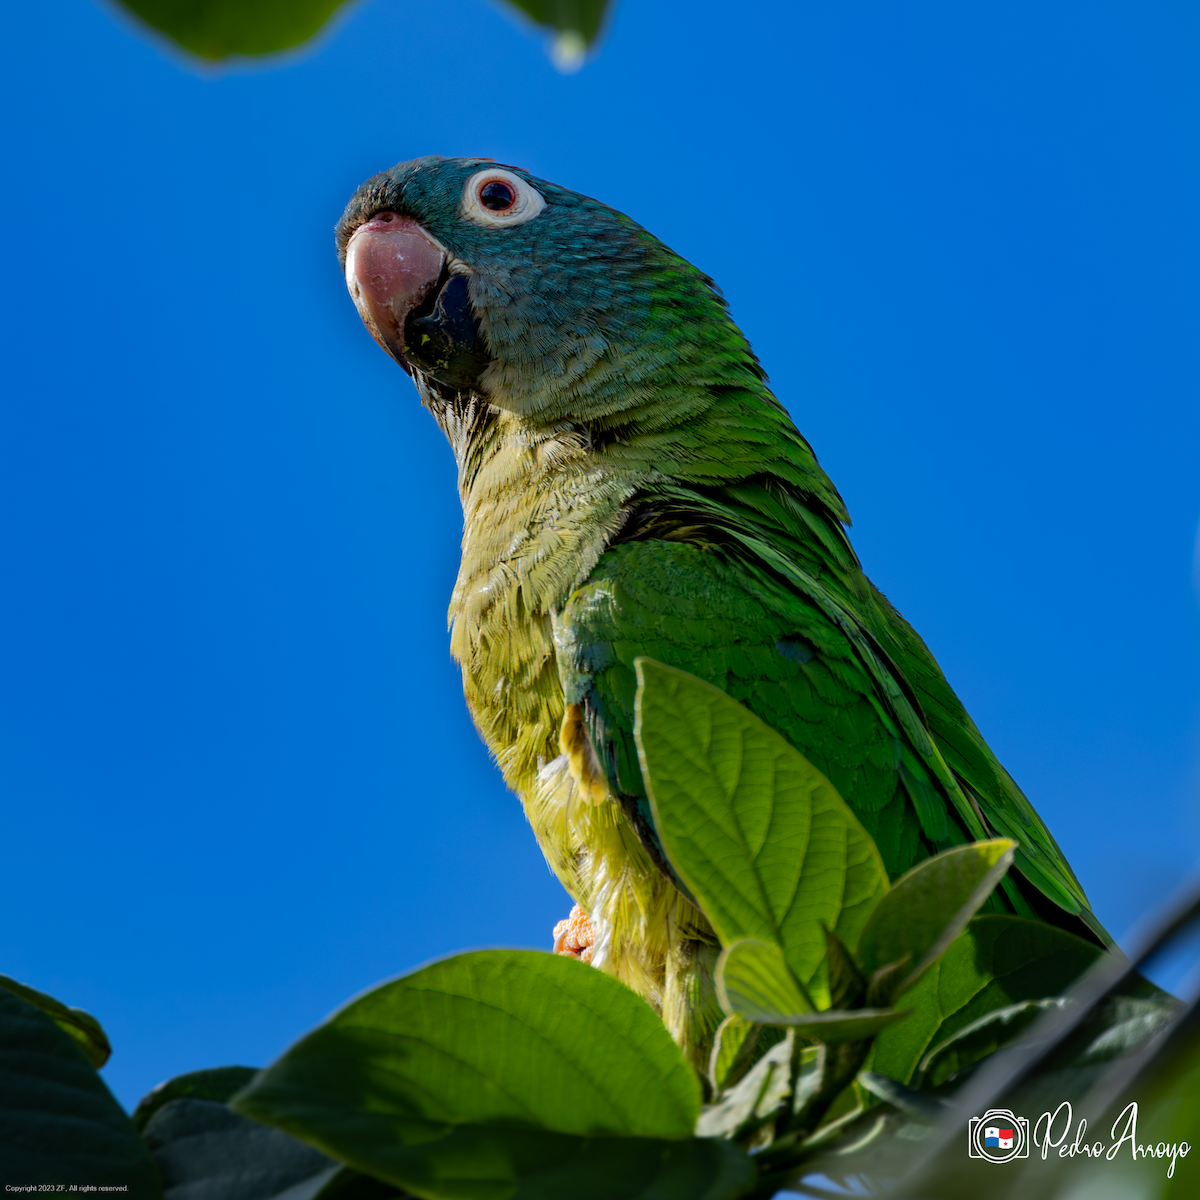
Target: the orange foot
pixel 574 936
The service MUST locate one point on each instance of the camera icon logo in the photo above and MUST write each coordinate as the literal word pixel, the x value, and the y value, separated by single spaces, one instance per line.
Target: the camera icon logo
pixel 998 1136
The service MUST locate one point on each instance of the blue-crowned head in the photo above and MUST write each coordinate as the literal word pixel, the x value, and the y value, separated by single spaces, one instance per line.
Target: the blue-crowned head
pixel 478 276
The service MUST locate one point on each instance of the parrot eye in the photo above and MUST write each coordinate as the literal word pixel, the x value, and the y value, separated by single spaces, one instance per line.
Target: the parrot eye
pixel 497 197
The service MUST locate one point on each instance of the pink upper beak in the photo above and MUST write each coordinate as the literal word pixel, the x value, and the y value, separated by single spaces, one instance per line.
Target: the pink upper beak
pixel 392 265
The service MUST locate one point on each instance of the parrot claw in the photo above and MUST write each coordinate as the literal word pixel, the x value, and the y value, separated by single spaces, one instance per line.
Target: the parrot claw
pixel 574 935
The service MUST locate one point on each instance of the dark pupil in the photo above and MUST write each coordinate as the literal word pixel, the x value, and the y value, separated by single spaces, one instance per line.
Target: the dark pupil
pixel 497 195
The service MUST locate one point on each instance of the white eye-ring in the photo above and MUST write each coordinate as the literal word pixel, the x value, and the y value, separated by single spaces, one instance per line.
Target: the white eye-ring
pixel 497 197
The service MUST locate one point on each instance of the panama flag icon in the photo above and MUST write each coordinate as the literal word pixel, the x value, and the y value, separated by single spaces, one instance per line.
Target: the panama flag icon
pixel 1000 1139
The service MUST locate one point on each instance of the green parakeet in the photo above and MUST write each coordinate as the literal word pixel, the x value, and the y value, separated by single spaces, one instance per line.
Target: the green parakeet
pixel 631 486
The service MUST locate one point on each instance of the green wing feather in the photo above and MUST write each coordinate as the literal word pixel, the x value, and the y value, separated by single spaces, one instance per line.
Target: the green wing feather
pixel 758 592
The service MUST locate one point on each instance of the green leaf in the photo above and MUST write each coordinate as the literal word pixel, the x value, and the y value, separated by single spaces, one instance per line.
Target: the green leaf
pixel 215 29
pixel 997 961
pixel 577 23
pixel 1120 1025
pixel 916 1105
pixel 755 982
pixel 885 980
pixel 757 834
pixel 79 1025
pixel 514 1037
pixel 583 17
pixel 766 1086
pixel 846 981
pixel 929 906
pixel 847 1025
pixel 501 1073
pixel 980 1038
pixel 58 1122
pixel 733 1050
pixel 810 1078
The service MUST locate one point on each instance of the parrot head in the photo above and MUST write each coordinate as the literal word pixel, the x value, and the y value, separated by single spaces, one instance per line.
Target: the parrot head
pixel 477 277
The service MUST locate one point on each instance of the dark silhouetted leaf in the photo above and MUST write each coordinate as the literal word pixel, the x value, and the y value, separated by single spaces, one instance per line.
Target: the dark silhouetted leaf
pixel 473 1162
pixel 349 1184
pixel 58 1122
pixel 215 1083
pixel 206 1151
pixel 79 1025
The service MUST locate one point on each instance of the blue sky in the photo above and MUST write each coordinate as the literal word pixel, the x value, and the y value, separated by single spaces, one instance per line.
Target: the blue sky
pixel 239 781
